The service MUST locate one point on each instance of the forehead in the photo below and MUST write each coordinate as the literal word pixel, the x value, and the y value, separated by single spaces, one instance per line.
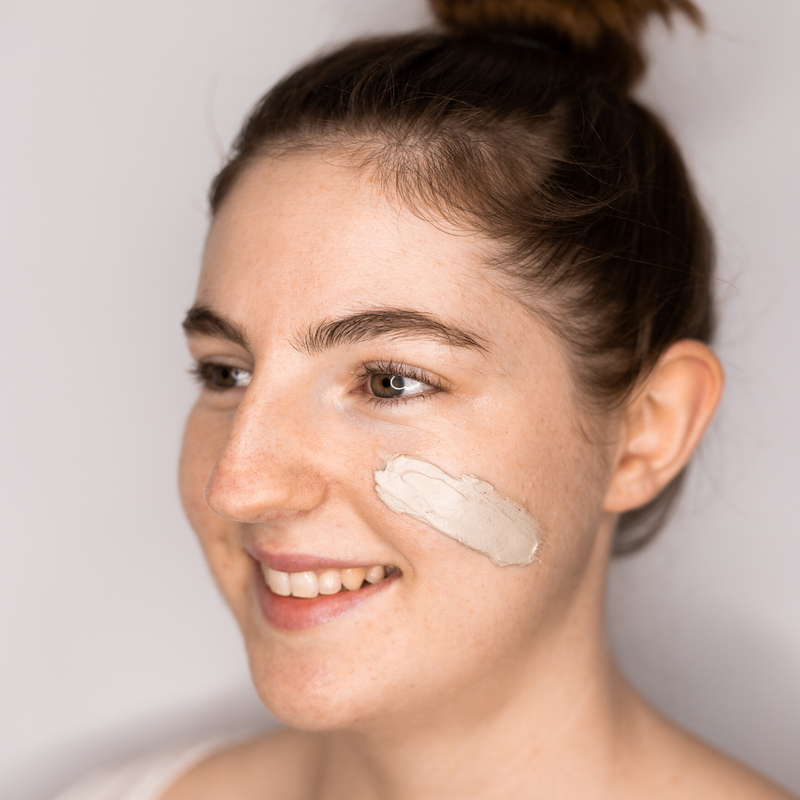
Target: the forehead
pixel 300 237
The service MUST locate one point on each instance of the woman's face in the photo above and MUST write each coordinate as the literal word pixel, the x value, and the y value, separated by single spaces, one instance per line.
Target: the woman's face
pixel 315 291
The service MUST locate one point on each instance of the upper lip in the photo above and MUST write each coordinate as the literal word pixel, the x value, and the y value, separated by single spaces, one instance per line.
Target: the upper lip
pixel 303 562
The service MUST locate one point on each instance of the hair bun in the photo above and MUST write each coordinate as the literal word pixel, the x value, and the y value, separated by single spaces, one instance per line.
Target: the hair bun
pixel 603 34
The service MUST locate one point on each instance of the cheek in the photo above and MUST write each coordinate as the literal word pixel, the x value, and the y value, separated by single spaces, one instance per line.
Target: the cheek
pixel 203 440
pixel 566 482
pixel 558 472
pixel 198 454
pixel 542 460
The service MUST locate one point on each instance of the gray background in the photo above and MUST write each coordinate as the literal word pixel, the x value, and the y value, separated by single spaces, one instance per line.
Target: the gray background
pixel 114 117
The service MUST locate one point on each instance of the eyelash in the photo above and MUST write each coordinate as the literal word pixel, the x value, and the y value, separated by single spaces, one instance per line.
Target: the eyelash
pixel 202 373
pixel 402 371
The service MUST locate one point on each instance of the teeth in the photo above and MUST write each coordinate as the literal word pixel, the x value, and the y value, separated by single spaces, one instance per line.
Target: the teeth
pixel 277 581
pixel 328 581
pixel 353 578
pixel 375 574
pixel 304 584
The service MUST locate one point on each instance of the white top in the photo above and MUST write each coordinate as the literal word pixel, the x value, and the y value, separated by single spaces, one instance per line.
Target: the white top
pixel 146 778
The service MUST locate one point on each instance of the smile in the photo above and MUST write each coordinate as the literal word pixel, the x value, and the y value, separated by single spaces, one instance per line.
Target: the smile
pixel 305 598
pixel 310 584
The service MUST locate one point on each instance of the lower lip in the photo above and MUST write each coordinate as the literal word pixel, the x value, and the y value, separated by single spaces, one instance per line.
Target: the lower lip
pixel 297 613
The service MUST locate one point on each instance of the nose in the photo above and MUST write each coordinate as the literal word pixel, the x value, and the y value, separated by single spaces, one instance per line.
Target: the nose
pixel 269 462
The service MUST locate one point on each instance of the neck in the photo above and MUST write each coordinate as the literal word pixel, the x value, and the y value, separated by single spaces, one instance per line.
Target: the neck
pixel 556 718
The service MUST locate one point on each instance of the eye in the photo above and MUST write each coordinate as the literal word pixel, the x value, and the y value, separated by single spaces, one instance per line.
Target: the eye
pixel 387 385
pixel 218 377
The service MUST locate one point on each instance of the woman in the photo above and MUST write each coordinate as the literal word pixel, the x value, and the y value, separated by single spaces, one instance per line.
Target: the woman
pixel 452 338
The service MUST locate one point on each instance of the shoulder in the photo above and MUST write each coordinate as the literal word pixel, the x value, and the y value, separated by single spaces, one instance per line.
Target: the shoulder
pixel 678 765
pixel 145 778
pixel 716 775
pixel 280 764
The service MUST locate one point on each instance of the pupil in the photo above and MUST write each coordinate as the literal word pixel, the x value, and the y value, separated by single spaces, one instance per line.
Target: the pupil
pixel 224 377
pixel 387 385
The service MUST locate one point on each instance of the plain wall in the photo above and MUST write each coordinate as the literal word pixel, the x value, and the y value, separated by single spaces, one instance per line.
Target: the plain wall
pixel 114 118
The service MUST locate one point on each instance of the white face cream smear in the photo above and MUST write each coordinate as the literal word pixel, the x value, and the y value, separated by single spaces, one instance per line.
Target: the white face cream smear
pixel 467 509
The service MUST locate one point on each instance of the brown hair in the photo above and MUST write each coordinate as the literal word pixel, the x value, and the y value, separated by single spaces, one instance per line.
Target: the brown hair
pixel 516 122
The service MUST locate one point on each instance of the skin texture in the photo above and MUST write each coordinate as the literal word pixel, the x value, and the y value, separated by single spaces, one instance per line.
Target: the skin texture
pixel 461 679
pixel 463 507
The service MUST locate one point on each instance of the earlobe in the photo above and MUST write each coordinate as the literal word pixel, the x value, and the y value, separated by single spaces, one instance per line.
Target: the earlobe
pixel 663 424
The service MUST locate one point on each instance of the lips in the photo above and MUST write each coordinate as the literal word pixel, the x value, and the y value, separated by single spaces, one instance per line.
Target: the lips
pixel 300 562
pixel 311 591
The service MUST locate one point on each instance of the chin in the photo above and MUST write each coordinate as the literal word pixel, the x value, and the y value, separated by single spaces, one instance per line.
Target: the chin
pixel 316 693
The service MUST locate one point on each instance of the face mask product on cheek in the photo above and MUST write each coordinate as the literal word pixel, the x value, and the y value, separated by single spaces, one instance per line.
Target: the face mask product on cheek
pixel 467 509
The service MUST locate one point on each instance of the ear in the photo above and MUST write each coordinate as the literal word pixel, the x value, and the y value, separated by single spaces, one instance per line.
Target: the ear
pixel 663 424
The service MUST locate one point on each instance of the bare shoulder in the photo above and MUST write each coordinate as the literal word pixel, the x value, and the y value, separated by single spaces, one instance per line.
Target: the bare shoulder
pixel 280 764
pixel 680 766
pixel 717 775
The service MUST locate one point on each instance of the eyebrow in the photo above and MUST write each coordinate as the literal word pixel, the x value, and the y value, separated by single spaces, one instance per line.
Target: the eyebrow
pixel 384 323
pixel 203 321
pixel 380 323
